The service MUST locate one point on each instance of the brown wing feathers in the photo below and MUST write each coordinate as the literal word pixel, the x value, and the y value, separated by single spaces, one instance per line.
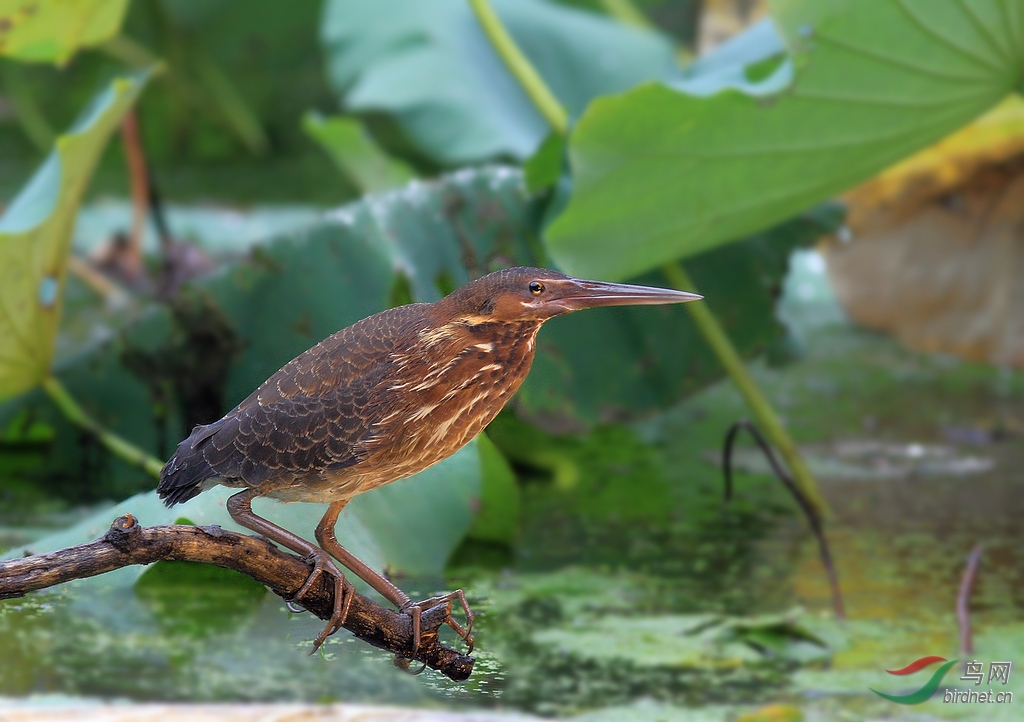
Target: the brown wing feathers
pixel 308 416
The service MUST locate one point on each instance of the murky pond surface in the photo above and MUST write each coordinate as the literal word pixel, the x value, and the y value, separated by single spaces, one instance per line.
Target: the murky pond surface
pixel 633 591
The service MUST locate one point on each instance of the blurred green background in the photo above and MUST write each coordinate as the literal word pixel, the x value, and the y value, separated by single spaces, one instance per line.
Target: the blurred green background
pixel 193 192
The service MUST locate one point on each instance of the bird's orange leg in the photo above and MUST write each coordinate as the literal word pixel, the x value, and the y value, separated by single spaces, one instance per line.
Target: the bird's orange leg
pixel 326 537
pixel 240 509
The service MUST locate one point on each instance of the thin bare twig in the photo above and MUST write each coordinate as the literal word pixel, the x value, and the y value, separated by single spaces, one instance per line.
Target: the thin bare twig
pixel 963 600
pixel 128 543
pixel 139 179
pixel 813 518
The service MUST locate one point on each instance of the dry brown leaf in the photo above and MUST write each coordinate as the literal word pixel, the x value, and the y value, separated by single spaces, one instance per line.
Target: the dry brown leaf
pixel 948 275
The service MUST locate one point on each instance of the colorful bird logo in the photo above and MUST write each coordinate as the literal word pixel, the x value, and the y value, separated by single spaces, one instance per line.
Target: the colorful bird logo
pixel 929 687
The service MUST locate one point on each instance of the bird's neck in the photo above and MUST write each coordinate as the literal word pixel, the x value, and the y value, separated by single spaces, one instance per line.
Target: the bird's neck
pixel 488 341
pixel 462 352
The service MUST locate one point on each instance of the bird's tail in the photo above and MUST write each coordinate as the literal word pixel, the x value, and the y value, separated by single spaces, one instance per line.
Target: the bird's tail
pixel 183 476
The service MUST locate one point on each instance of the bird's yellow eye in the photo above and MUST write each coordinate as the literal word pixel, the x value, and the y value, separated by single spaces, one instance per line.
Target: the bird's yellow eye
pixel 536 288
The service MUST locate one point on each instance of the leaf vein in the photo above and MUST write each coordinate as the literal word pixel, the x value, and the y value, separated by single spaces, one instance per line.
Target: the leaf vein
pixel 1005 58
pixel 815 147
pixel 900 62
pixel 962 50
pixel 1015 24
pixel 887 102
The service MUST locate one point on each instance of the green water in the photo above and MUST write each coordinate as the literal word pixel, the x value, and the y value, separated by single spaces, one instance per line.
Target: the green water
pixel 632 590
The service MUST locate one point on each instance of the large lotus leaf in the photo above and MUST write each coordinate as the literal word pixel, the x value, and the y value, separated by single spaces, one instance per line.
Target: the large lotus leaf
pixel 35 239
pixel 664 172
pixel 50 31
pixel 430 66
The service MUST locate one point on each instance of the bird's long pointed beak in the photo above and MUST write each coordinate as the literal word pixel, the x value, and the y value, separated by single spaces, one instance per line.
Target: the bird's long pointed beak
pixel 577 295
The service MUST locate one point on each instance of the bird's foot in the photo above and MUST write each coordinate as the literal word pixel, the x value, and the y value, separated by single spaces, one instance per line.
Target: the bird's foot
pixel 343 591
pixel 415 611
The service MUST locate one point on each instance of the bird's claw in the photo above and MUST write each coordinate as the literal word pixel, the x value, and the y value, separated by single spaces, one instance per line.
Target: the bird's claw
pixel 403 664
pixel 320 563
pixel 464 633
pixel 343 591
pixel 415 612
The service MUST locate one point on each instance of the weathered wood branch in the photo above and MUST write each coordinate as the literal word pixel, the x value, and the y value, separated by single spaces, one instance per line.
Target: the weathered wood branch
pixel 128 543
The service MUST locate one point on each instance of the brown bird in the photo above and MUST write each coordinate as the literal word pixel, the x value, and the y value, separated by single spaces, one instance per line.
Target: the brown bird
pixel 379 401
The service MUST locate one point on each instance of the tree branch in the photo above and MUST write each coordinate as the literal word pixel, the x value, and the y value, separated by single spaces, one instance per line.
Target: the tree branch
pixel 128 543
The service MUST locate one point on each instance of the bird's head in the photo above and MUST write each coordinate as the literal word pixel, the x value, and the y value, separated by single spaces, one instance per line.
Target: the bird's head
pixel 537 294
